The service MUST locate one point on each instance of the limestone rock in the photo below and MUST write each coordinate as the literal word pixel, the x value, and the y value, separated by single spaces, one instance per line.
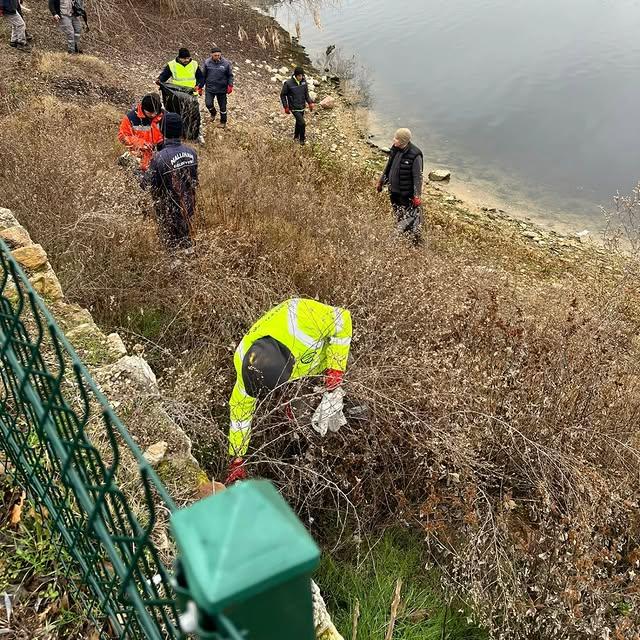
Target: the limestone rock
pixel 156 453
pixel 325 629
pixel 313 95
pixel 15 236
pixel 115 344
pixel 7 219
pixel 47 284
pixel 133 369
pixel 328 103
pixel 31 257
pixel 283 71
pixel 440 175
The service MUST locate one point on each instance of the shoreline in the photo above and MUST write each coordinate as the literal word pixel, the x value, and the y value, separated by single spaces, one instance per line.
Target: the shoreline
pixel 478 193
pixel 350 140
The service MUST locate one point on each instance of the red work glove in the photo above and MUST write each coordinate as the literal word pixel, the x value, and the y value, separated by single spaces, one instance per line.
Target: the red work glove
pixel 199 90
pixel 311 105
pixel 333 379
pixel 416 201
pixel 236 471
pixel 229 88
pixel 287 110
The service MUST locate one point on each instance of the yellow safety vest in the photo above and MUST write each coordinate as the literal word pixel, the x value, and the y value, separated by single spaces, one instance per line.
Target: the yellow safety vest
pixel 319 338
pixel 183 75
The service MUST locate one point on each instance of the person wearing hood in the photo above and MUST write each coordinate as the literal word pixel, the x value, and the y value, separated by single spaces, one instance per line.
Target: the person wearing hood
pixel 180 79
pixel 173 180
pixel 295 97
pixel 218 83
pixel 404 176
pixel 299 338
pixel 140 129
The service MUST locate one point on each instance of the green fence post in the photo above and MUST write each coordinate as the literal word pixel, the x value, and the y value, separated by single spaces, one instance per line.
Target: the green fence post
pixel 245 565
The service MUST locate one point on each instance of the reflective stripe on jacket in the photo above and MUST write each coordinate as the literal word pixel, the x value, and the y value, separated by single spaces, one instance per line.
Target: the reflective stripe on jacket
pixel 319 338
pixel 183 75
pixel 138 132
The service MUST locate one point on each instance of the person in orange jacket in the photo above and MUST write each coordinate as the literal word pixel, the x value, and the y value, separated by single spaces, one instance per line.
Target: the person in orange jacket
pixel 140 129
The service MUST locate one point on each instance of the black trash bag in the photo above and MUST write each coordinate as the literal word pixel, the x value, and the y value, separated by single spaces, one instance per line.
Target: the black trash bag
pixel 184 103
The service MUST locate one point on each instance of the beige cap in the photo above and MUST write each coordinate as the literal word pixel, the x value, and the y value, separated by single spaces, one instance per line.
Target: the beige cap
pixel 403 135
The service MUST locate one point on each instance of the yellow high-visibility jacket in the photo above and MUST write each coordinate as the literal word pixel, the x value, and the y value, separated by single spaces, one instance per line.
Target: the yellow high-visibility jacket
pixel 183 75
pixel 319 338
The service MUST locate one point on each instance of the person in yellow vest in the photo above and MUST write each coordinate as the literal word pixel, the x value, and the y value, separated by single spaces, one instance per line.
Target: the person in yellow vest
pixel 181 81
pixel 296 339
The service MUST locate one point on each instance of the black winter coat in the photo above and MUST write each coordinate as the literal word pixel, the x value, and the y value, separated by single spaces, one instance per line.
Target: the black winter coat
pixel 10 7
pixel 294 94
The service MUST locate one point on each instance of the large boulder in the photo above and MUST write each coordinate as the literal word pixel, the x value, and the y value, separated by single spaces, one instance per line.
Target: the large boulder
pixel 328 103
pixel 440 175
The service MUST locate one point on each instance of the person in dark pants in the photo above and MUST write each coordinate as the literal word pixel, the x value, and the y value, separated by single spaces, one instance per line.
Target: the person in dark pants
pixel 404 175
pixel 295 97
pixel 173 179
pixel 181 82
pixel 218 84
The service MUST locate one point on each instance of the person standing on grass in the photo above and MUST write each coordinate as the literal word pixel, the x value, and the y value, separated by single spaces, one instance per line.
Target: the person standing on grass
pixel 295 97
pixel 218 84
pixel 173 179
pixel 181 82
pixel 404 175
pixel 67 14
pixel 12 13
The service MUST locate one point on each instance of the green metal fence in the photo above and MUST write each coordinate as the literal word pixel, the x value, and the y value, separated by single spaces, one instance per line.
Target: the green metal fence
pixel 73 457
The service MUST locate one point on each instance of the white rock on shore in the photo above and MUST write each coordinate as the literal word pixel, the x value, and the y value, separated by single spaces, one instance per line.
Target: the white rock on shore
pixel 439 175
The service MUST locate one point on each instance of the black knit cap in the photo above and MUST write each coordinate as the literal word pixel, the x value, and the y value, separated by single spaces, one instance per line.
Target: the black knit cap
pixel 184 53
pixel 266 365
pixel 172 125
pixel 152 103
pixel 298 71
pixel 216 50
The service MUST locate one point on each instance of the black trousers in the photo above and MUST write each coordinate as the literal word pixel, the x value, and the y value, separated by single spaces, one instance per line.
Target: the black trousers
pixel 408 217
pixel 209 101
pixel 299 132
pixel 174 223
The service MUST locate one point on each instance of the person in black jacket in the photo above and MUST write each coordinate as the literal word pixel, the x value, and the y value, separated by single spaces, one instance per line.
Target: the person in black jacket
pixel 218 84
pixel 10 9
pixel 295 97
pixel 173 179
pixel 67 14
pixel 404 175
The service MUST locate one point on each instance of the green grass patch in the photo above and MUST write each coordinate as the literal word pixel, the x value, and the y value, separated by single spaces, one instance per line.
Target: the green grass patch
pixel 423 613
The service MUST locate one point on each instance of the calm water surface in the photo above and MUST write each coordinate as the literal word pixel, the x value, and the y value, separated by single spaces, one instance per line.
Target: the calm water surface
pixel 533 102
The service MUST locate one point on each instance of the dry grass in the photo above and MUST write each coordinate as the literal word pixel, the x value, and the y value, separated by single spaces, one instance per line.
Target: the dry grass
pixel 502 410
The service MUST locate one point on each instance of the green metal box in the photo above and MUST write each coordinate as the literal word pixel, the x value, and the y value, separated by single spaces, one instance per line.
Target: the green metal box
pixel 245 556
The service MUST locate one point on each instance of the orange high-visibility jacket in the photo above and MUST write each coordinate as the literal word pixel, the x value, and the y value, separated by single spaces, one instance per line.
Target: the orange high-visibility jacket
pixel 141 135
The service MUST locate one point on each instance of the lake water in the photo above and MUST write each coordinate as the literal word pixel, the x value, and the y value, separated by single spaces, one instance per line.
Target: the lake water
pixel 531 103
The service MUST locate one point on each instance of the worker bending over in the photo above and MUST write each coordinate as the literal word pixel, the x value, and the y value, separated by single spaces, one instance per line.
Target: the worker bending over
pixel 140 129
pixel 296 339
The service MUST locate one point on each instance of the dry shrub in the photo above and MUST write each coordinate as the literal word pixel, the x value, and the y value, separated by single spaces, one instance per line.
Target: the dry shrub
pixel 501 414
